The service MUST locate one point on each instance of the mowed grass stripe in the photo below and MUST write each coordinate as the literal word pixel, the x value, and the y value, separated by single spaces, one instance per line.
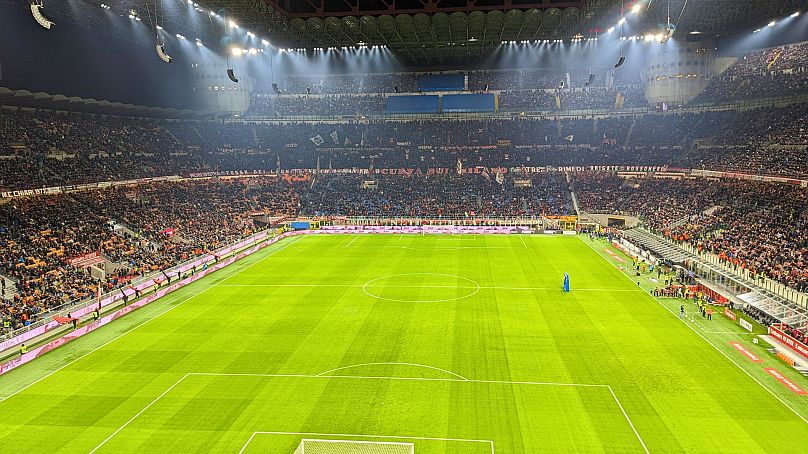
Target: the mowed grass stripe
pixel 676 389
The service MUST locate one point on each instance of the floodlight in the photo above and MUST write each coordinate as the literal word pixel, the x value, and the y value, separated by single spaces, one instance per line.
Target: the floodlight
pixel 636 8
pixel 161 52
pixel 36 8
pixel 231 75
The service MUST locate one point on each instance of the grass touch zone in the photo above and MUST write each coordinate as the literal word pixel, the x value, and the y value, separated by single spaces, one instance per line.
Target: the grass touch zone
pixel 455 344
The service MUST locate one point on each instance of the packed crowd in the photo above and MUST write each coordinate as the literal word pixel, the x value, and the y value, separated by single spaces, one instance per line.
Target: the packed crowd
pixel 143 229
pixel 138 231
pixel 38 236
pixel 264 105
pixel 478 81
pixel 528 90
pixel 764 141
pixel 437 195
pixel 331 84
pixel 757 226
pixel 315 105
pixel 774 72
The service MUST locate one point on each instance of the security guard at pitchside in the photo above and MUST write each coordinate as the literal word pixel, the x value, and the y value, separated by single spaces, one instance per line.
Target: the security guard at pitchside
pixel 23 349
pixel 7 325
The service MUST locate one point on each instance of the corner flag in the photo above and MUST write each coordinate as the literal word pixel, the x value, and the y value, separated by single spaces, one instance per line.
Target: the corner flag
pixel 566 282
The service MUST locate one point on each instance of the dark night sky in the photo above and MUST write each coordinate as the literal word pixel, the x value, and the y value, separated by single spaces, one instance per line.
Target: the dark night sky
pixel 77 61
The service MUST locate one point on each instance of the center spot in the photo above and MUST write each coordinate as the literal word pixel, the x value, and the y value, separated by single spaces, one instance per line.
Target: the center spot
pixel 421 287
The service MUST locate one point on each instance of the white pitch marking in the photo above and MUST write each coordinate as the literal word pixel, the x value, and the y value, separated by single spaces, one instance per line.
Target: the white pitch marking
pixel 446 248
pixel 393 364
pixel 476 288
pixel 262 259
pixel 620 290
pixel 355 377
pixel 103 345
pixel 391 437
pixel 363 377
pixel 628 419
pixel 128 331
pixel 708 341
pixel 139 413
pixel 523 241
pixel 351 242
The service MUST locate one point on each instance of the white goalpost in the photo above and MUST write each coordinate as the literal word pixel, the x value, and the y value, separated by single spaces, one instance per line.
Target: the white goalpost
pixel 314 446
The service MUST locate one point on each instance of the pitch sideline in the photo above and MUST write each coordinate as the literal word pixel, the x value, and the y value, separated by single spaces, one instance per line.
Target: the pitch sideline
pixel 210 286
pixel 705 339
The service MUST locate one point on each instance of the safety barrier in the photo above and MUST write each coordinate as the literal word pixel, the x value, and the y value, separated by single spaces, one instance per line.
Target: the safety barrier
pixel 246 247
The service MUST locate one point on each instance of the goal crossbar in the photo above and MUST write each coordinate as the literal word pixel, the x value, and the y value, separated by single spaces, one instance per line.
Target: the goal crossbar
pixel 322 446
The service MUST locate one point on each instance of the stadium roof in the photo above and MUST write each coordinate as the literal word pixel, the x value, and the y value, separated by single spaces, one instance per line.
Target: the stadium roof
pixel 429 32
pixel 44 101
pixel 429 28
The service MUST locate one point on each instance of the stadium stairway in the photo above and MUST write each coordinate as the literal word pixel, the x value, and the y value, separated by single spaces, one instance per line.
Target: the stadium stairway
pixel 574 198
pixel 680 222
pixel 654 244
pixel 198 134
pixel 171 134
pixel 256 140
pixel 10 289
pixel 630 132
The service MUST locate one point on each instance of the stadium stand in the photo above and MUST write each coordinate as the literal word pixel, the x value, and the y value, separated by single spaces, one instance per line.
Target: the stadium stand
pixel 773 72
pixel 758 226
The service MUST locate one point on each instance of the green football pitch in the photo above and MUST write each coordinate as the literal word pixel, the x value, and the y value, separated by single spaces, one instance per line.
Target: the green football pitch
pixel 455 344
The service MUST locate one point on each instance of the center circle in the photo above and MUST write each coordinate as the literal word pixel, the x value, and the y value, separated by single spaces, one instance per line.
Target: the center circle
pixel 421 287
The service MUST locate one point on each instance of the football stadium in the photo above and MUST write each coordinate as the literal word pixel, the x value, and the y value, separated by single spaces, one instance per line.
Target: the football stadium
pixel 403 226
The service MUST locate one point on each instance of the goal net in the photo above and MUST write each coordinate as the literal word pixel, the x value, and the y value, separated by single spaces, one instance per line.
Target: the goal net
pixel 308 446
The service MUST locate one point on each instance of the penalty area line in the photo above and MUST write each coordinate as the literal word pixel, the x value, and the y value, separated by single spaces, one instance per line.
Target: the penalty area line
pixel 139 413
pixel 623 410
pixel 359 377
